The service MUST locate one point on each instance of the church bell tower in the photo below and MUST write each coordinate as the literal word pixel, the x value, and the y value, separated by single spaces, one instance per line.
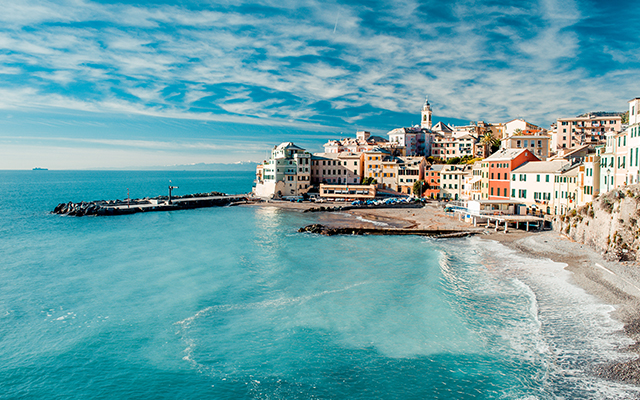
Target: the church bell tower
pixel 425 120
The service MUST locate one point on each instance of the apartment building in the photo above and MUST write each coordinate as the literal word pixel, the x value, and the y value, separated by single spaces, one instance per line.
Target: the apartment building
pixel 589 128
pixel 336 168
pixel 452 181
pixel 537 144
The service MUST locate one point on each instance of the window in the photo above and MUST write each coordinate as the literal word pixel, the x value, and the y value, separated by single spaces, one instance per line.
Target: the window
pixel 513 193
pixel 537 178
pixel 547 180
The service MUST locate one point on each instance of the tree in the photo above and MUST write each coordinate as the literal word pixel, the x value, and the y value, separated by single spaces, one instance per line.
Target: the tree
pixel 369 181
pixel 488 139
pixel 454 160
pixel 418 188
pixel 518 131
pixel 625 118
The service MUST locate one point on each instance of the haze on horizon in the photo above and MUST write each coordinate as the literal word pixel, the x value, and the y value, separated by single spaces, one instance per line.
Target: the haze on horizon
pixel 102 84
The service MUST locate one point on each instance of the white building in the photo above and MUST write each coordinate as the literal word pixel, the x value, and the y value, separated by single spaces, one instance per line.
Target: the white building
pixel 286 173
pixel 633 135
pixel 533 183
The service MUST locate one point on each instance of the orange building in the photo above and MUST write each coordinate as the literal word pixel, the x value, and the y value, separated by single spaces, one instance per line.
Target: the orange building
pixel 501 163
pixel 432 180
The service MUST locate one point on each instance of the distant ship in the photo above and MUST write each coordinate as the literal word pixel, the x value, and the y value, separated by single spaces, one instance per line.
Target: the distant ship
pixel 40 169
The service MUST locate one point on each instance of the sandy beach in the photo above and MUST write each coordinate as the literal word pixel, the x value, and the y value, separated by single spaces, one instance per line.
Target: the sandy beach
pixel 615 283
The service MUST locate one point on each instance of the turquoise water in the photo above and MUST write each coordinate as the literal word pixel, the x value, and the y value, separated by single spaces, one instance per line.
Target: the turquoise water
pixel 233 303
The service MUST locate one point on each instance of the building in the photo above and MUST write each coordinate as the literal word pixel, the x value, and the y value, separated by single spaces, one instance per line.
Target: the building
pixel 363 141
pixel 475 190
pixel 589 128
pixel 355 192
pixel 589 179
pixel 566 189
pixel 519 125
pixel 452 181
pixel 608 163
pixel 336 168
pixel 410 171
pixel 537 144
pixel 633 134
pixel 432 181
pixel 500 165
pixel 447 147
pixel 425 119
pixel 415 140
pixel 286 173
pixel 533 184
pixel 621 155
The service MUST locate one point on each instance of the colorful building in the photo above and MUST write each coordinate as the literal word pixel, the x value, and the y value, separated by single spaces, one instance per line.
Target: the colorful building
pixel 500 165
pixel 589 128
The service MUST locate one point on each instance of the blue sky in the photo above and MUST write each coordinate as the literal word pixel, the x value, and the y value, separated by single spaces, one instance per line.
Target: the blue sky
pixel 99 84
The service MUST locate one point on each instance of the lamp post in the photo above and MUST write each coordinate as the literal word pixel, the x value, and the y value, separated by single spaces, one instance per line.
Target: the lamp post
pixel 170 189
pixel 608 178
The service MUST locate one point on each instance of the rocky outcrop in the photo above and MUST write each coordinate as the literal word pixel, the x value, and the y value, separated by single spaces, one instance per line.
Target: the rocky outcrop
pixel 609 224
pixel 328 231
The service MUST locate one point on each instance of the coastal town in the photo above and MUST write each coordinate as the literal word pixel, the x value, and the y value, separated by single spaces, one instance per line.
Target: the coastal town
pixel 513 167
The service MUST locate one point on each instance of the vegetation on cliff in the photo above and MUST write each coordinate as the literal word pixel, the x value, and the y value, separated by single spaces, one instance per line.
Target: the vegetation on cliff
pixel 609 224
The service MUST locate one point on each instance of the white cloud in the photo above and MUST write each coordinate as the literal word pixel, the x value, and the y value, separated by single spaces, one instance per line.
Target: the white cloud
pixel 462 66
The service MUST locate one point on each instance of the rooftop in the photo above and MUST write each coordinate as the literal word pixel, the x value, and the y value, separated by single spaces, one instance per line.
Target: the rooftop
pixel 540 166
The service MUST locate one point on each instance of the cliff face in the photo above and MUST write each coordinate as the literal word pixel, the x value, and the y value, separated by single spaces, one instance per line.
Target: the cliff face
pixel 610 225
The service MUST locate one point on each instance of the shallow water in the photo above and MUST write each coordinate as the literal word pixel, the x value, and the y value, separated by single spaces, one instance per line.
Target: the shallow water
pixel 233 303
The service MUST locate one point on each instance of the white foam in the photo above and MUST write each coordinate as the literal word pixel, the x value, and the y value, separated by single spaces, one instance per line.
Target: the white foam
pixel 566 326
pixel 376 223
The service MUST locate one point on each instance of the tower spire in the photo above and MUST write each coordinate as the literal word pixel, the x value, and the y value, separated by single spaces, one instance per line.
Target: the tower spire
pixel 425 120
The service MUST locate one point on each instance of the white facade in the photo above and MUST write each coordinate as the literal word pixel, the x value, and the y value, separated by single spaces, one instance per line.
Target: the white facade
pixel 633 135
pixel 425 120
pixel 286 173
pixel 533 183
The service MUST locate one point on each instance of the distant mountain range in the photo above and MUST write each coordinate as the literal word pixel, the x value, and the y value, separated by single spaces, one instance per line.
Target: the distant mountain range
pixel 237 166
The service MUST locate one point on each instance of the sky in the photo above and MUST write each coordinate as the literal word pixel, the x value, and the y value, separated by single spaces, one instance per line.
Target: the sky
pixel 107 84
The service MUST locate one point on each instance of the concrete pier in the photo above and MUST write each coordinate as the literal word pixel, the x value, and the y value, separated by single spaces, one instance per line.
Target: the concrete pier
pixel 161 203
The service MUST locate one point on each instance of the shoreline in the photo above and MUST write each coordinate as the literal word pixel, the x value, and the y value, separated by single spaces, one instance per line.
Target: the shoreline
pixel 614 283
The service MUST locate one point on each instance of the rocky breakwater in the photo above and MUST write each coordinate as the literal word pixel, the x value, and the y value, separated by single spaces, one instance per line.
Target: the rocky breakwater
pixel 329 231
pixel 160 203
pixel 609 225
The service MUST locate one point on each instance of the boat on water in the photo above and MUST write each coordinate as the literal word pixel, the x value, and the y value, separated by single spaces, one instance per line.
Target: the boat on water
pixel 40 169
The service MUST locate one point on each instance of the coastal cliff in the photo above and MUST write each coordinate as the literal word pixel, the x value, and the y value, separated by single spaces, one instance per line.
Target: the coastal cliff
pixel 609 225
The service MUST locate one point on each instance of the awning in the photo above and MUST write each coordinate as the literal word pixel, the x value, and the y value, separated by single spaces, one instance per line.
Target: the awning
pixel 476 179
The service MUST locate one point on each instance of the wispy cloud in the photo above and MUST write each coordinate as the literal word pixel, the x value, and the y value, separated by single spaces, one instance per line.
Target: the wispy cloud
pixel 289 63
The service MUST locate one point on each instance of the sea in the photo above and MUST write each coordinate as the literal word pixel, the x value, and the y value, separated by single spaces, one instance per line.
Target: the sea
pixel 234 303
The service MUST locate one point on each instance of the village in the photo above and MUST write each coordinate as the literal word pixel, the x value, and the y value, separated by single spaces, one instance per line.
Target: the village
pixel 512 168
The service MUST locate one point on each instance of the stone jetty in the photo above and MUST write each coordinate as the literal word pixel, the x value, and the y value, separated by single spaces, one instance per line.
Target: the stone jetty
pixel 160 203
pixel 437 233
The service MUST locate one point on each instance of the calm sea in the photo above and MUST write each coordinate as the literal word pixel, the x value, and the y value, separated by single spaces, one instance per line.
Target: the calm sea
pixel 232 303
